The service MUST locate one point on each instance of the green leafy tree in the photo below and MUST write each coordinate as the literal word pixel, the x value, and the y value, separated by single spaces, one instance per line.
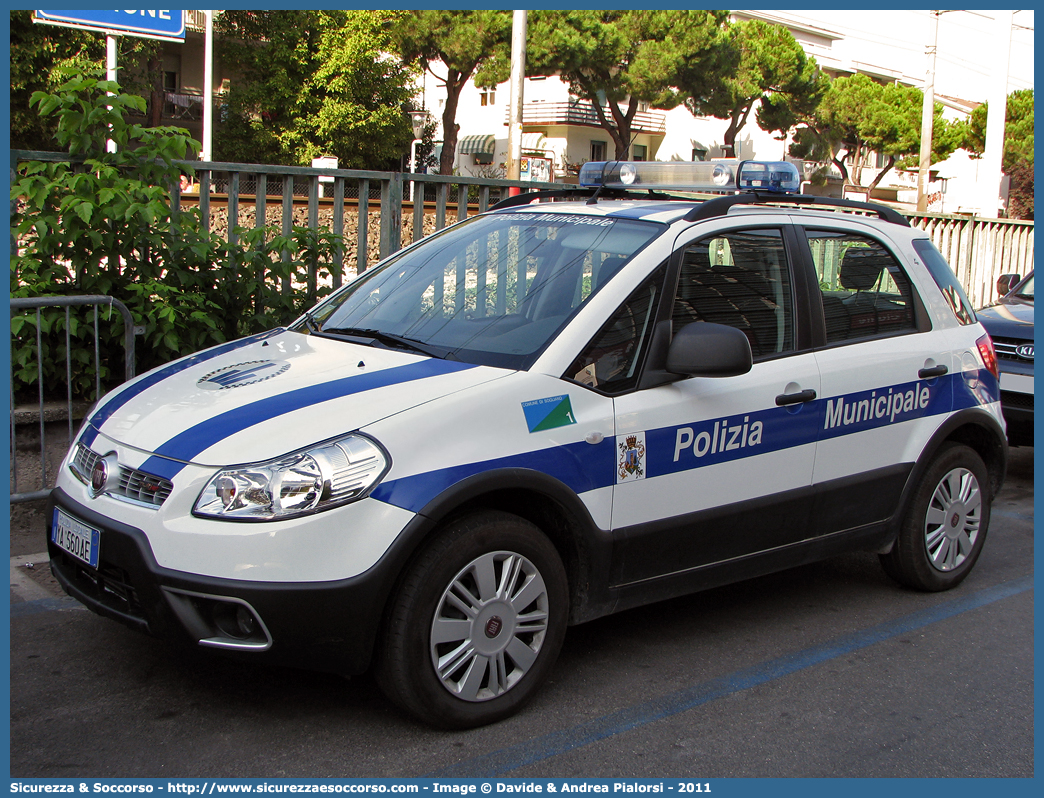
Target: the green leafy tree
pixel 620 59
pixel 314 83
pixel 770 63
pixel 471 45
pixel 101 223
pixel 858 116
pixel 1017 160
pixel 41 53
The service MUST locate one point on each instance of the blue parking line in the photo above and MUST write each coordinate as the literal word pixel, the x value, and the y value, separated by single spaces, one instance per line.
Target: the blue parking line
pixel 539 749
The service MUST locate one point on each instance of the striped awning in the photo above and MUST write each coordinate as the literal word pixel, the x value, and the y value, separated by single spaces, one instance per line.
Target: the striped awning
pixel 533 142
pixel 478 145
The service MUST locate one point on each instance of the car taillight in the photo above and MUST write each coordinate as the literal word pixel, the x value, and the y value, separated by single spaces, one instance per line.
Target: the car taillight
pixel 989 356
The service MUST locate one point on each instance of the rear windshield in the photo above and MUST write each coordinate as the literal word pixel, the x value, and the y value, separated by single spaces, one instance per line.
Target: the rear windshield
pixel 493 290
pixel 946 280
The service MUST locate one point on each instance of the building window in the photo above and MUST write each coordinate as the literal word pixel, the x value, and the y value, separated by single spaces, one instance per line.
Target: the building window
pixel 598 149
pixel 487 97
pixel 170 86
pixel 639 152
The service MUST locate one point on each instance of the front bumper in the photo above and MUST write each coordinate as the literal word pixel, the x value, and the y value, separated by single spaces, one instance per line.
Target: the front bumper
pixel 326 626
pixel 1016 384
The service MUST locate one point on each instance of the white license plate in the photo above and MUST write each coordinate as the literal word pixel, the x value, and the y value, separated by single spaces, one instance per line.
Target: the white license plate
pixel 74 536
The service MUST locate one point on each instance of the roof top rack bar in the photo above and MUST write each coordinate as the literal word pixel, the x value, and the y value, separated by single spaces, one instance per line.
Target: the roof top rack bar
pixel 530 196
pixel 719 206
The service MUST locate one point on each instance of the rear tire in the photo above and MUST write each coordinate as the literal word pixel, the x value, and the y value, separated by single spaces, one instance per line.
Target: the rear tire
pixel 477 622
pixel 945 526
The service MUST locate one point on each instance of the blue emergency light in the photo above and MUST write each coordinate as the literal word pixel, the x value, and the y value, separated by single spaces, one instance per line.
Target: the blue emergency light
pixel 702 176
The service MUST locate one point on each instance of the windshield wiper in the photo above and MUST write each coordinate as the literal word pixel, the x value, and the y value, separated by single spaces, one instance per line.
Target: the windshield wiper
pixel 367 336
pixel 310 322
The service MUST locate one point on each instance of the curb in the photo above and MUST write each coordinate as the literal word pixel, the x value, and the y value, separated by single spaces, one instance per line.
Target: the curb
pixel 23 587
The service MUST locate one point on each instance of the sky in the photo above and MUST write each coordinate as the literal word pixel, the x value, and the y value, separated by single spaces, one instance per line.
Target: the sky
pixel 966 48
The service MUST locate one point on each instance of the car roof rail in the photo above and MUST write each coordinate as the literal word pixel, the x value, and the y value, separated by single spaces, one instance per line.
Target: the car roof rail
pixel 719 206
pixel 590 195
pixel 549 194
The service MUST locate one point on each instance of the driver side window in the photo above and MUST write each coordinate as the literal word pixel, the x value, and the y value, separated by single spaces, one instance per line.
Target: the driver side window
pixel 611 362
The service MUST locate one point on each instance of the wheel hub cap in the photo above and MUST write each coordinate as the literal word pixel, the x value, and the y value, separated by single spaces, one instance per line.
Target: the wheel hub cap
pixel 952 522
pixel 489 626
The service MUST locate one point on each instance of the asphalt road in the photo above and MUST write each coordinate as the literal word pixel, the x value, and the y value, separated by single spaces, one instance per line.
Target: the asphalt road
pixel 829 670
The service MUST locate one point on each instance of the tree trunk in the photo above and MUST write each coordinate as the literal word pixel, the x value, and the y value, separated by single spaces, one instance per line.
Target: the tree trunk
pixel 156 98
pixel 882 173
pixel 455 82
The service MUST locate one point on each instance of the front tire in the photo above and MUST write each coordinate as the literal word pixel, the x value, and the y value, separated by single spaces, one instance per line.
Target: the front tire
pixel 945 526
pixel 477 622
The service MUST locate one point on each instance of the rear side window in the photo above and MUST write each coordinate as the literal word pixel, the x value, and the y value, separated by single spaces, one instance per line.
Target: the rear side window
pixel 946 280
pixel 865 292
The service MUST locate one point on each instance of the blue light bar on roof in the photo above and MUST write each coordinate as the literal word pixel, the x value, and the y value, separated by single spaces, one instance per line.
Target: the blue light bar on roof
pixel 779 177
pixel 699 176
pixel 652 175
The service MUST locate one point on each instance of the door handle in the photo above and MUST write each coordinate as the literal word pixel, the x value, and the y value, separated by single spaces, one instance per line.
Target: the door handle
pixel 785 399
pixel 934 371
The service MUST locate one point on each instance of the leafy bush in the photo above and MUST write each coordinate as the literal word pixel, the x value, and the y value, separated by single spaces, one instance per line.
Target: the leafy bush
pixel 101 223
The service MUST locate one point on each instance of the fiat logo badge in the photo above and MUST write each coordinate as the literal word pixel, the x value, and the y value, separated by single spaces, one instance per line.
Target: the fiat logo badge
pixel 99 476
pixel 493 627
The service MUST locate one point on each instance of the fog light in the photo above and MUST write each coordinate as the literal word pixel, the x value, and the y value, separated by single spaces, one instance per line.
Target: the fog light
pixel 245 621
pixel 235 621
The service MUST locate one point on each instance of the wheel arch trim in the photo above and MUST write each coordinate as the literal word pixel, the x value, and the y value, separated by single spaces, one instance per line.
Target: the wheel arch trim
pixel 974 427
pixel 559 512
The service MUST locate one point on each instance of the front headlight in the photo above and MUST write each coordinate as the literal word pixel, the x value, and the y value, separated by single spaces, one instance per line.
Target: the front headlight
pixel 323 476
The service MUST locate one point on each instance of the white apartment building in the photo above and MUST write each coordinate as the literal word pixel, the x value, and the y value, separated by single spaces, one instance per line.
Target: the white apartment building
pixel 560 131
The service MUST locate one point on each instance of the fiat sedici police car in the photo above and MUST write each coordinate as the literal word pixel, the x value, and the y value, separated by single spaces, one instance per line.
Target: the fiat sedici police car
pixel 578 402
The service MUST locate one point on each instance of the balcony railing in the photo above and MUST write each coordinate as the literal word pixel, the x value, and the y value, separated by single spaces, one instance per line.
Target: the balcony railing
pixel 582 112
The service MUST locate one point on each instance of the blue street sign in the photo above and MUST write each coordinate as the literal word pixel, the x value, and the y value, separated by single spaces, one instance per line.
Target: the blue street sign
pixel 168 25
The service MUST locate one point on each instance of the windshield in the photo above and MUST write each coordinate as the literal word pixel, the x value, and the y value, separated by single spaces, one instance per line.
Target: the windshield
pixel 493 290
pixel 1025 291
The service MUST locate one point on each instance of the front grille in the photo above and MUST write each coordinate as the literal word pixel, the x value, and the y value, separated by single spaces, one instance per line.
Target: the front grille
pixel 1007 349
pixel 133 485
pixel 1022 401
pixel 141 487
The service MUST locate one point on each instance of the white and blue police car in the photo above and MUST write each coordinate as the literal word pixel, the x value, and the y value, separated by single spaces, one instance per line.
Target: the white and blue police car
pixel 578 402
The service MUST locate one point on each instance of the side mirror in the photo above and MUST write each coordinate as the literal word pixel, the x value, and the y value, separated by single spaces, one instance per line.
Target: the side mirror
pixel 1006 282
pixel 702 349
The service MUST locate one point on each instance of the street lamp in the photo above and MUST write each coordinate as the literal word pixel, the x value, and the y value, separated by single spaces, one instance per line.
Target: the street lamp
pixel 419 120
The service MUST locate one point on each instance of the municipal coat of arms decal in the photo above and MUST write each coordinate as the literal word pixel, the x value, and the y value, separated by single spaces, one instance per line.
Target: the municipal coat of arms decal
pixel 631 460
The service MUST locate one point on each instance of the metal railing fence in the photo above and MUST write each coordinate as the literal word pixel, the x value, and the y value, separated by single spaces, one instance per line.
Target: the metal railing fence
pixel 349 201
pixel 980 250
pixel 37 304
pixel 405 206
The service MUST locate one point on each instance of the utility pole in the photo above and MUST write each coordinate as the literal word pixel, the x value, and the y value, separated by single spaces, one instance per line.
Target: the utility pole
pixel 518 74
pixel 993 157
pixel 927 118
pixel 110 74
pixel 207 153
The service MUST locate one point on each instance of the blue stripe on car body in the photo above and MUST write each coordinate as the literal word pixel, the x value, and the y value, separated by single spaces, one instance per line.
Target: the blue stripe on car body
pixel 583 467
pixel 158 375
pixel 170 457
